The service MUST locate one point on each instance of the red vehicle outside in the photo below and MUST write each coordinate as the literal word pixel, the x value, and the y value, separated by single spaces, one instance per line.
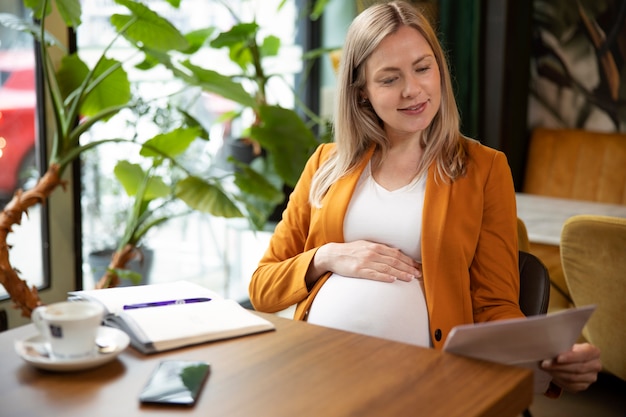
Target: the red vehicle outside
pixel 17 120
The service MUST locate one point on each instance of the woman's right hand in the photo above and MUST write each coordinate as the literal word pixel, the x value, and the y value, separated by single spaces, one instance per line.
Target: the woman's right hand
pixel 363 259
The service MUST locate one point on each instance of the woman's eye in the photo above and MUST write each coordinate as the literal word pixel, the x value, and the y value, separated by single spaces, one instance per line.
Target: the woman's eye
pixel 388 80
pixel 422 69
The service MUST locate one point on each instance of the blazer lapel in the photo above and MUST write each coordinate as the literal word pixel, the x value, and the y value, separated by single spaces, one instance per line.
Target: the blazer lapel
pixel 434 217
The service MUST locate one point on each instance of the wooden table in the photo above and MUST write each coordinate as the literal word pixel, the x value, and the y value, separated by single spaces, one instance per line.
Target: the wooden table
pixel 298 370
pixel 544 216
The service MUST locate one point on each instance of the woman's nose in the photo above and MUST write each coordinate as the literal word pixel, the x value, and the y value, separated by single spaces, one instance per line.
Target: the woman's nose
pixel 411 87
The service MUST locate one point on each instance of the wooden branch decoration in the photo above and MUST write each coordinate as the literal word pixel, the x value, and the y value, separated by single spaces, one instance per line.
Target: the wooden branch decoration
pixel 24 298
pixel 119 261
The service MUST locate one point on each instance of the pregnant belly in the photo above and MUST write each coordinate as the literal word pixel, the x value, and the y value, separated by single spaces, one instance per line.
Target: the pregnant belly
pixel 395 311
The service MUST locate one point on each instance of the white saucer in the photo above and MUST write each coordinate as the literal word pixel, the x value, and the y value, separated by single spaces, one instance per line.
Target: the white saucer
pixel 30 349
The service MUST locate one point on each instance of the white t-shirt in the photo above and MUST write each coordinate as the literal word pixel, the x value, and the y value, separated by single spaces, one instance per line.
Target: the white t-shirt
pixel 397 310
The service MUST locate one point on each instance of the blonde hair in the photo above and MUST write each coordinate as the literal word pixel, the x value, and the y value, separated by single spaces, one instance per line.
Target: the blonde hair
pixel 357 127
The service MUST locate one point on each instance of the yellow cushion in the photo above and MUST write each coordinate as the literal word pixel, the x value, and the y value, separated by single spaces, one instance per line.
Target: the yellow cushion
pixel 593 255
pixel 577 164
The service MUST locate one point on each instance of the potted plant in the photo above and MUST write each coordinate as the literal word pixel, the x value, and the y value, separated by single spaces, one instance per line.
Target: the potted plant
pixel 154 183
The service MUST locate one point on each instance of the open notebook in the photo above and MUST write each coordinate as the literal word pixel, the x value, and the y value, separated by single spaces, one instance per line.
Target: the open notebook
pixel 161 320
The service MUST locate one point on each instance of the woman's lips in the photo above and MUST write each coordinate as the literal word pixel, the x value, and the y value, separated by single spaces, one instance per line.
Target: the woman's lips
pixel 418 108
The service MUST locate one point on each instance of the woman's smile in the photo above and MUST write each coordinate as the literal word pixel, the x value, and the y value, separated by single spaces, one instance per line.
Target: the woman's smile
pixel 416 109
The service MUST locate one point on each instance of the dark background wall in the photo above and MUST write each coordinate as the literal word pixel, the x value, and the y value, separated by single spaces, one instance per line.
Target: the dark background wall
pixel 541 63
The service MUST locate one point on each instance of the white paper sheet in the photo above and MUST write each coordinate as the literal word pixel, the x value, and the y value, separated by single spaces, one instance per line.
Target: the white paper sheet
pixel 523 341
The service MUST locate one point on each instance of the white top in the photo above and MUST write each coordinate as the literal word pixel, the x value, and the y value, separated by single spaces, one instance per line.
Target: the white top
pixel 397 310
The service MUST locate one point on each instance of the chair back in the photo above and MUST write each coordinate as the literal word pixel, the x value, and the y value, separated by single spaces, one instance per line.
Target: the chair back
pixel 534 293
pixel 534 285
pixel 523 241
pixel 593 254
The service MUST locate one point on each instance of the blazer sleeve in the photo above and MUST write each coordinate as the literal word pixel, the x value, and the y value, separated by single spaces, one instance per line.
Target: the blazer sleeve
pixel 494 272
pixel 279 280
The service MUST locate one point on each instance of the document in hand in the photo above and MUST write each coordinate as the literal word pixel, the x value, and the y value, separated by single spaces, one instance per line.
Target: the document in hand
pixel 523 341
pixel 157 318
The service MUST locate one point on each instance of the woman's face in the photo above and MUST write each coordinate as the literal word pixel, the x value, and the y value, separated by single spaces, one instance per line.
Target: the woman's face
pixel 403 83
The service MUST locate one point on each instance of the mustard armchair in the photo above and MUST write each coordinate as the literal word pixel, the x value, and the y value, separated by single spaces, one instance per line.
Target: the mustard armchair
pixel 593 255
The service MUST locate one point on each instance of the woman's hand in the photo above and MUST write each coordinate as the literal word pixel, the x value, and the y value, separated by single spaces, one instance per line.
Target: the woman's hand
pixel 575 369
pixel 364 259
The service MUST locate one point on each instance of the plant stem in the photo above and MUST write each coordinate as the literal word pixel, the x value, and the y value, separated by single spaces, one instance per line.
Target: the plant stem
pixel 24 298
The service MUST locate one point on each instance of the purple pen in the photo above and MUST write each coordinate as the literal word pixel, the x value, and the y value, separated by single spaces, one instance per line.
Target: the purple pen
pixel 166 303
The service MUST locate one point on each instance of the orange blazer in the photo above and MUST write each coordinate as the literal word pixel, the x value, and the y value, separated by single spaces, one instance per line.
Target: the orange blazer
pixel 469 243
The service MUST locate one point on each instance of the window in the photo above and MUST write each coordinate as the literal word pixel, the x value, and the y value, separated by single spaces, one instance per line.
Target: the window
pixel 19 147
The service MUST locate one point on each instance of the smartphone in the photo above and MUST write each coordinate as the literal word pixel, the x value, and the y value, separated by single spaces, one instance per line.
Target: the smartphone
pixel 175 382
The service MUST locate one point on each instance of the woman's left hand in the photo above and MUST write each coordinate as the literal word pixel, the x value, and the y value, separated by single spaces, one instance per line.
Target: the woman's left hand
pixel 575 369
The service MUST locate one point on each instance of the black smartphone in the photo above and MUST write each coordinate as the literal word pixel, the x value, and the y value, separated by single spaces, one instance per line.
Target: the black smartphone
pixel 176 382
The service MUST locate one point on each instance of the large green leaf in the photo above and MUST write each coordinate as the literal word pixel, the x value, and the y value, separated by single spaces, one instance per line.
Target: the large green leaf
pixel 37 6
pixel 241 55
pixel 71 74
pixel 131 176
pixel 253 183
pixel 208 198
pixel 238 34
pixel 239 40
pixel 172 143
pixel 70 11
pixel 192 121
pixel 270 46
pixel 222 85
pixel 148 28
pixel 112 91
pixel 260 196
pixel 197 39
pixel 284 133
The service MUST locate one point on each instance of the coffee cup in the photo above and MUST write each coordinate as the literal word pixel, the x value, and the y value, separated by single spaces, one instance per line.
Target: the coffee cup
pixel 69 327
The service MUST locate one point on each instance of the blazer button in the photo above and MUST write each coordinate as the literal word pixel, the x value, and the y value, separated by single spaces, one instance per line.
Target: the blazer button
pixel 438 335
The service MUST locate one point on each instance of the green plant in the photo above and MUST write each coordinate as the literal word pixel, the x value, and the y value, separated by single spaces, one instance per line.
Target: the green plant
pixel 279 136
pixel 152 191
pixel 82 96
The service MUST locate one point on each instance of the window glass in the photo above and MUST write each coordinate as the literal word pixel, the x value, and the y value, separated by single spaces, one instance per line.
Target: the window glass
pixel 18 145
pixel 195 246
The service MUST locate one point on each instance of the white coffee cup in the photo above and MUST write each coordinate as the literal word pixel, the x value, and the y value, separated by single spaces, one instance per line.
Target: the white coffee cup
pixel 69 327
